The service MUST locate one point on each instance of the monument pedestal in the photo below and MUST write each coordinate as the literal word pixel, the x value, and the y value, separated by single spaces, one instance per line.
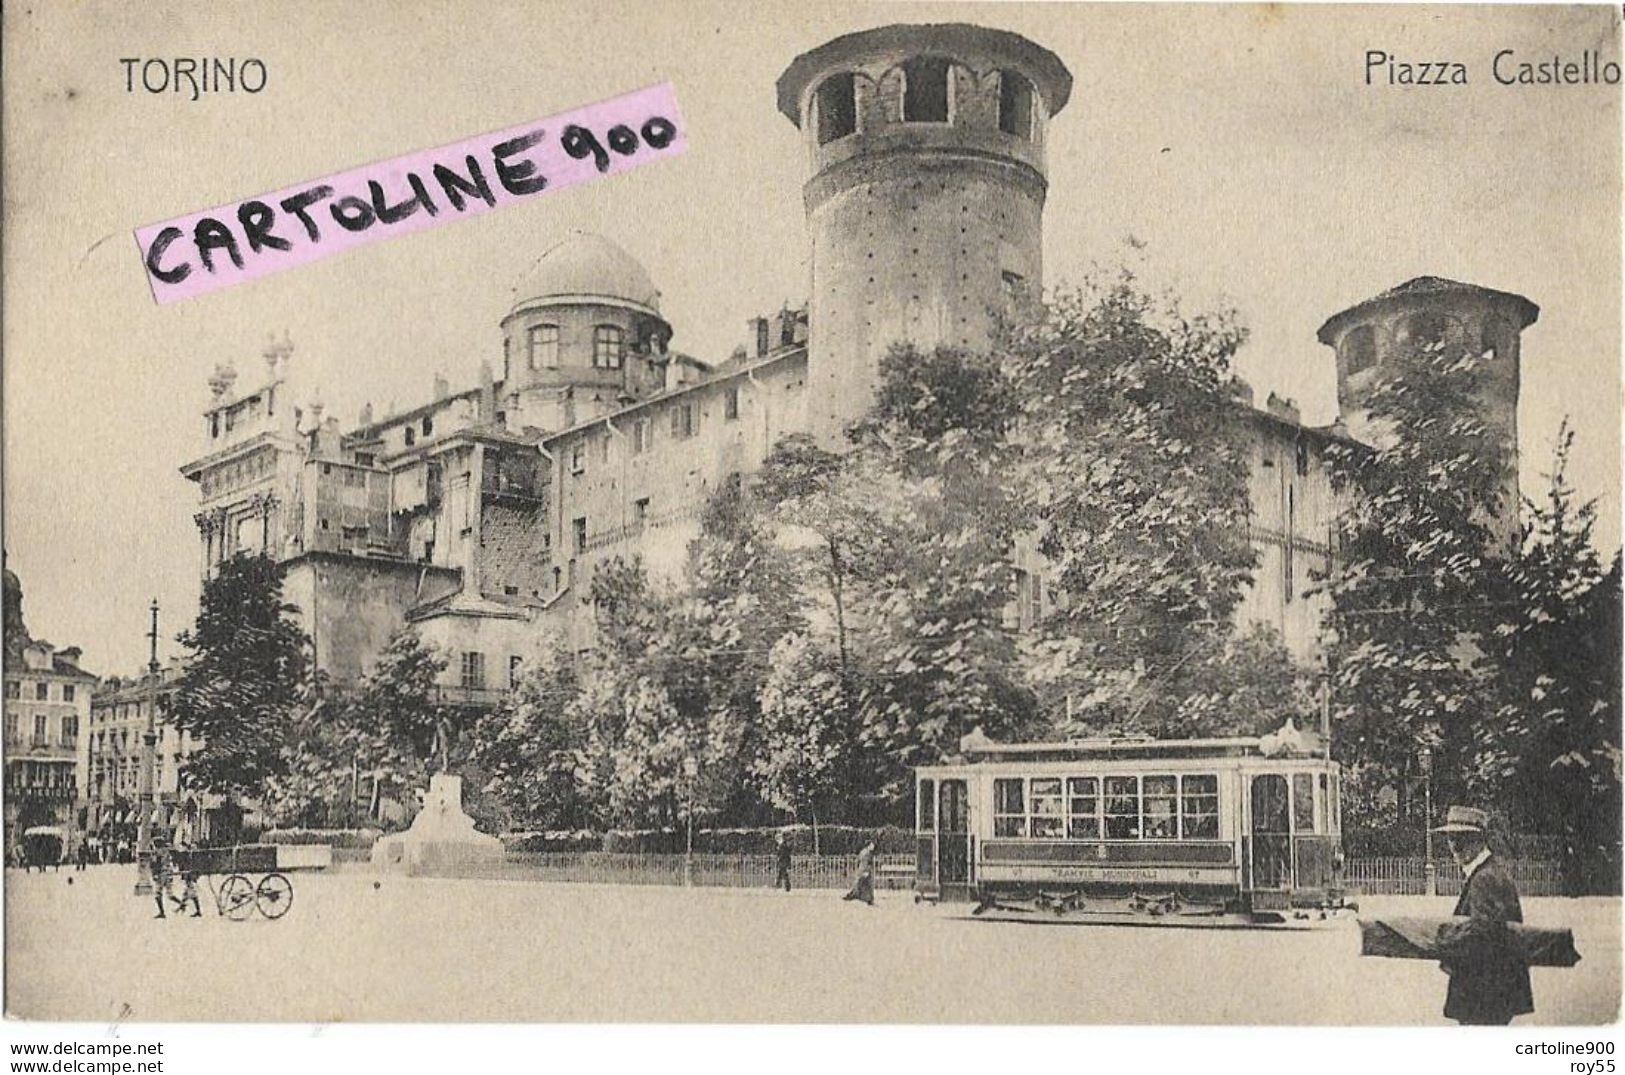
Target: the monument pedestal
pixel 441 836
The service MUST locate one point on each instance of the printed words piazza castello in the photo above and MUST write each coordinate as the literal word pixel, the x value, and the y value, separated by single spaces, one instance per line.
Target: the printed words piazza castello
pixel 1508 67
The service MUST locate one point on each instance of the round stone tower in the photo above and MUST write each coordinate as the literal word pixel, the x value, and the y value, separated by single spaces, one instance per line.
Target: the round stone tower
pixel 1429 309
pixel 925 196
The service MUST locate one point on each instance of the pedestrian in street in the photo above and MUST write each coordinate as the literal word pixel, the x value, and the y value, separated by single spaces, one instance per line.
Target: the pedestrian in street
pixel 182 864
pixel 163 876
pixel 864 887
pixel 782 850
pixel 81 857
pixel 1489 981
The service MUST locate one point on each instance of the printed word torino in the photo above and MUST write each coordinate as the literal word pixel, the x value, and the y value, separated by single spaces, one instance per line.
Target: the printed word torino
pixel 218 247
pixel 200 75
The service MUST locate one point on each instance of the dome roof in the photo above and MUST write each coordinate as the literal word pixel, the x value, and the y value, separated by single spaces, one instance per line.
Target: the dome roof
pixel 586 267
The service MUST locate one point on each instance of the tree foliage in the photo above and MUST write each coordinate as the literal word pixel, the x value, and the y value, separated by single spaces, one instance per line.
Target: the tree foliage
pixel 1549 750
pixel 532 750
pixel 245 678
pixel 1420 579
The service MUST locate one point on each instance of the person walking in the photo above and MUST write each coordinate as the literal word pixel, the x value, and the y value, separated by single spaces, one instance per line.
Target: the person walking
pixel 782 850
pixel 81 856
pixel 163 876
pixel 864 887
pixel 182 864
pixel 1489 980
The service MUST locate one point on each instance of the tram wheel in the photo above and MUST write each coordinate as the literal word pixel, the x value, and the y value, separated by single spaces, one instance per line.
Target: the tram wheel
pixel 237 897
pixel 275 895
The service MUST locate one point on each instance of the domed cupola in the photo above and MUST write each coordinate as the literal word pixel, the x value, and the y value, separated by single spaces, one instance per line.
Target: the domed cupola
pixel 587 268
pixel 585 316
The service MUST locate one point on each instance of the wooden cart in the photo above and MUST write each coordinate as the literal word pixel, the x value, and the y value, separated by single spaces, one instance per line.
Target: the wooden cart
pixel 242 879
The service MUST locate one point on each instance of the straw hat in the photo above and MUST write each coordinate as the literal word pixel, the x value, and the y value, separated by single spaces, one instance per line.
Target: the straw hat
pixel 1464 819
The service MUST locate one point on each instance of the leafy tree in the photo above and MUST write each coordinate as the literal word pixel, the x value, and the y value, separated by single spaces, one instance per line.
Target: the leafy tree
pixel 1549 752
pixel 245 679
pixel 1417 589
pixel 648 705
pixel 806 743
pixel 747 589
pixel 394 719
pixel 939 658
pixel 1135 454
pixel 533 753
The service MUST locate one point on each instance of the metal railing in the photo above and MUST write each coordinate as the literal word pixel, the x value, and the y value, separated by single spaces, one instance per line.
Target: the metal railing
pixel 1385 876
pixel 1369 876
pixel 707 870
pixel 470 696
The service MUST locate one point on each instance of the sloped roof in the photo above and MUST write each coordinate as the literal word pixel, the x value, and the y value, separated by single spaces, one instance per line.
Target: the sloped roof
pixel 1522 310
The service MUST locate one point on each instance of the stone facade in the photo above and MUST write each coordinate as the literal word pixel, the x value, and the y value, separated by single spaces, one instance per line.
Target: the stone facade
pixel 480 516
pixel 47 712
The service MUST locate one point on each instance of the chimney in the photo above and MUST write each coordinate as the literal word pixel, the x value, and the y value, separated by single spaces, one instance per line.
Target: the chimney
pixel 1284 409
pixel 488 393
pixel 366 414
pixel 441 388
pixel 1244 393
pixel 758 334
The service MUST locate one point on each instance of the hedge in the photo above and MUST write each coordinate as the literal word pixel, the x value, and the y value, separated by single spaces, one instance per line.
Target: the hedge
pixel 353 839
pixel 832 840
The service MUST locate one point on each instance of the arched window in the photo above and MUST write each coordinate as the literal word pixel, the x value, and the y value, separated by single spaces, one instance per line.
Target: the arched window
pixel 1426 328
pixel 836 108
pixel 1360 349
pixel 543 345
pixel 1497 338
pixel 1015 104
pixel 925 90
pixel 608 343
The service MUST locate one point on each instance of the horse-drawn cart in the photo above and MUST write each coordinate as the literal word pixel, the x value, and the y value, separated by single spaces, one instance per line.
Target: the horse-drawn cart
pixel 251 876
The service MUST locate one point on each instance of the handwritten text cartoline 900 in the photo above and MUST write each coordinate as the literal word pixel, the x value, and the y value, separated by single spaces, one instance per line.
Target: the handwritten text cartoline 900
pixel 215 248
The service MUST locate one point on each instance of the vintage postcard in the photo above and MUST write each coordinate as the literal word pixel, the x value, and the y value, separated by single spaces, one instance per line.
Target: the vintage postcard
pixel 544 512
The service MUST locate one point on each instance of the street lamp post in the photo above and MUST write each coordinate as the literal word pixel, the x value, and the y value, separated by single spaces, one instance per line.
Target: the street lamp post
pixel 1429 873
pixel 145 776
pixel 691 770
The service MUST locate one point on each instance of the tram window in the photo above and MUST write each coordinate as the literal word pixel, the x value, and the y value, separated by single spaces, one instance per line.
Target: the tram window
pixel 1199 807
pixel 1047 820
pixel 1322 807
pixel 1122 807
pixel 928 806
pixel 1303 802
pixel 1009 808
pixel 1161 807
pixel 1335 819
pixel 1083 808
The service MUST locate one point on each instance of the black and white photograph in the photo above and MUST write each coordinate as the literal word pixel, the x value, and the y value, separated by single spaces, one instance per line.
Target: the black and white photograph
pixel 1081 515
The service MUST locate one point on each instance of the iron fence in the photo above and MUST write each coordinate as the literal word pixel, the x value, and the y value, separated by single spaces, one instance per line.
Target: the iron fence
pixel 715 871
pixel 1392 876
pixel 1389 876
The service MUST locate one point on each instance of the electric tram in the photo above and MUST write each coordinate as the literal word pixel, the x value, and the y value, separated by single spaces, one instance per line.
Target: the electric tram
pixel 1243 828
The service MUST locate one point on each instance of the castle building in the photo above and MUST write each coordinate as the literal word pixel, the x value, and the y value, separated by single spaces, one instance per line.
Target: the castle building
pixel 480 516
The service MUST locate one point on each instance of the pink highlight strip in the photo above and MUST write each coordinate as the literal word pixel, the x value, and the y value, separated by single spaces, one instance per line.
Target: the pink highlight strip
pixel 230 244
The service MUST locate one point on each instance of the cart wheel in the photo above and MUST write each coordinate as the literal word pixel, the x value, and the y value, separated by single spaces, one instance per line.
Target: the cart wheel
pixel 275 895
pixel 237 897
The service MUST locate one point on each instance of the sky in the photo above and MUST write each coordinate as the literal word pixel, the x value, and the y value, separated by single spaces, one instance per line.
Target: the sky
pixel 1238 146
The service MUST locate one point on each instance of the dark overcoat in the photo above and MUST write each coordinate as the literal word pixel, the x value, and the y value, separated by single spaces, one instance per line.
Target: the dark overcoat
pixel 1489 981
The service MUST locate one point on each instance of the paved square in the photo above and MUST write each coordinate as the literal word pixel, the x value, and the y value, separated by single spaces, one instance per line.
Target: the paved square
pixel 493 951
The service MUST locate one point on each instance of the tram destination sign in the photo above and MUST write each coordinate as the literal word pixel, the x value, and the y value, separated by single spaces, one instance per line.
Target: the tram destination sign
pixel 1210 875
